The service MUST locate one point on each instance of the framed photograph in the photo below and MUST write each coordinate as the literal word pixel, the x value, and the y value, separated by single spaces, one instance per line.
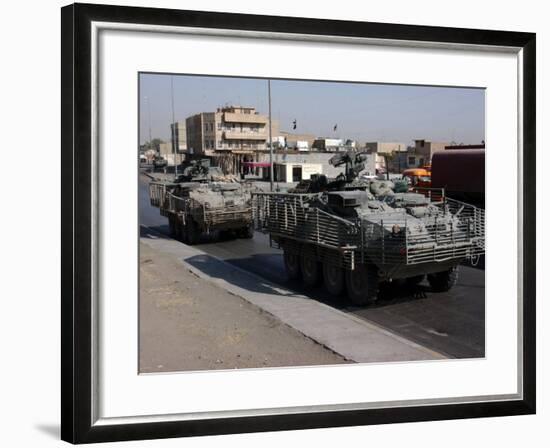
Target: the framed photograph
pixel 277 223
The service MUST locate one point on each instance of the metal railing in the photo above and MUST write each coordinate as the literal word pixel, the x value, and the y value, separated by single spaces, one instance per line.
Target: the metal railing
pixel 433 194
pixel 169 204
pixel 157 193
pixel 452 230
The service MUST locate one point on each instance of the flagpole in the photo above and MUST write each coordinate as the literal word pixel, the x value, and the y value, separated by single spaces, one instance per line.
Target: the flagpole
pixel 173 133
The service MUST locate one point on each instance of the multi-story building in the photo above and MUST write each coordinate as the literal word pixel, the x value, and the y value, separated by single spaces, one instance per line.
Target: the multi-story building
pixel 385 147
pixel 423 151
pixel 178 132
pixel 329 144
pixel 389 156
pixel 232 129
pixel 167 153
pixel 231 135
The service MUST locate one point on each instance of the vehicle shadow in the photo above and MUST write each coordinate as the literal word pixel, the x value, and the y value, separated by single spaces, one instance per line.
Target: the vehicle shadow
pixel 233 274
pixel 161 231
pixel 265 273
pixel 269 277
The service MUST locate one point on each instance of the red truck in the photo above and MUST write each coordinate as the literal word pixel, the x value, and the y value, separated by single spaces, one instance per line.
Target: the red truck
pixel 462 173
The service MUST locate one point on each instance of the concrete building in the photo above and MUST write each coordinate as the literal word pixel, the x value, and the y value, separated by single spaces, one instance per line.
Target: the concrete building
pixel 388 156
pixel 178 131
pixel 329 144
pixel 295 171
pixel 297 141
pixel 234 129
pixel 231 135
pixel 165 149
pixel 167 153
pixel 423 151
pixel 385 147
pixel 318 158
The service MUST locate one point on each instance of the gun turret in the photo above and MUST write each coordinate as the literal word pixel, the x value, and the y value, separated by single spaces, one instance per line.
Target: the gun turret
pixel 195 171
pixel 354 163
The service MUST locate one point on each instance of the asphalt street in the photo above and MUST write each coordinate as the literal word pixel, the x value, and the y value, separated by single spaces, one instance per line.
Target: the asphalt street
pixel 451 323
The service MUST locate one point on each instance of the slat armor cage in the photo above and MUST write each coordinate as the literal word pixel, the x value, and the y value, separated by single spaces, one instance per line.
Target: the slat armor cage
pixel 455 232
pixel 161 196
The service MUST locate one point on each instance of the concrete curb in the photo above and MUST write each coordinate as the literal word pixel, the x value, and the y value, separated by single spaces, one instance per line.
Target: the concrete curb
pixel 353 338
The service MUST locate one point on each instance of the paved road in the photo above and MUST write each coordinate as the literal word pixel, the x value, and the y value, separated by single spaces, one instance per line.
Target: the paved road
pixel 451 323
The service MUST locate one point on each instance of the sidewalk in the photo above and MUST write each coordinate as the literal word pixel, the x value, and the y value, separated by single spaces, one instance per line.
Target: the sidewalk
pixel 188 323
pixel 354 339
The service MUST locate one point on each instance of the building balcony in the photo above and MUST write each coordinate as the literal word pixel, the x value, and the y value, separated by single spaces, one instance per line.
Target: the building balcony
pixel 244 135
pixel 230 117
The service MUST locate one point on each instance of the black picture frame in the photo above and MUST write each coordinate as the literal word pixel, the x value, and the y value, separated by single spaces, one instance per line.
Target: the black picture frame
pixel 76 219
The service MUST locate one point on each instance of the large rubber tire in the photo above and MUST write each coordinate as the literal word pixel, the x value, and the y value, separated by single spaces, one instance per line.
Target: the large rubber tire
pixel 172 225
pixel 362 284
pixel 193 232
pixel 443 281
pixel 247 232
pixel 415 280
pixel 310 266
pixel 292 265
pixel 181 232
pixel 333 277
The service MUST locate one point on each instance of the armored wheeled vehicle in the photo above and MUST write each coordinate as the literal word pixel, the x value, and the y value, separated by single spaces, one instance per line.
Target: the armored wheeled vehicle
pixel 159 163
pixel 355 234
pixel 201 201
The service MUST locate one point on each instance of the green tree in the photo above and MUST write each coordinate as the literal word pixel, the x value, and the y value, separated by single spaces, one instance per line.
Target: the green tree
pixel 154 144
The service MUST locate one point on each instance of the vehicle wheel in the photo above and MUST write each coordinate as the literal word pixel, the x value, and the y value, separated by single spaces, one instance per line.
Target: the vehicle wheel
pixel 292 265
pixel 181 231
pixel 248 232
pixel 173 230
pixel 443 281
pixel 413 281
pixel 177 230
pixel 362 284
pixel 311 268
pixel 224 235
pixel 333 277
pixel 193 232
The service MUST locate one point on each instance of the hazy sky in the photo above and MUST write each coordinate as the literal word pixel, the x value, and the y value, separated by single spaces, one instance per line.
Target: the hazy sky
pixel 363 112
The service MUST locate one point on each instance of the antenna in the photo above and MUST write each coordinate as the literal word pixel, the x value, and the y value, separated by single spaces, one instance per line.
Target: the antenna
pixel 149 113
pixel 270 141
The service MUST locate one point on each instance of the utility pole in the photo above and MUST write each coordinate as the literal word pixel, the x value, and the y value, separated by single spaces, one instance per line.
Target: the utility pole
pixel 270 138
pixel 149 115
pixel 173 126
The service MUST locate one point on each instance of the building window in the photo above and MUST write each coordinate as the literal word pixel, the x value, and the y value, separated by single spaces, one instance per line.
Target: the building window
pixel 412 160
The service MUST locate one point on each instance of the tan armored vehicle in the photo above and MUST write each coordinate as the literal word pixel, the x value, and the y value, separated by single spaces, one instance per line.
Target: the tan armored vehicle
pixel 354 234
pixel 201 201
